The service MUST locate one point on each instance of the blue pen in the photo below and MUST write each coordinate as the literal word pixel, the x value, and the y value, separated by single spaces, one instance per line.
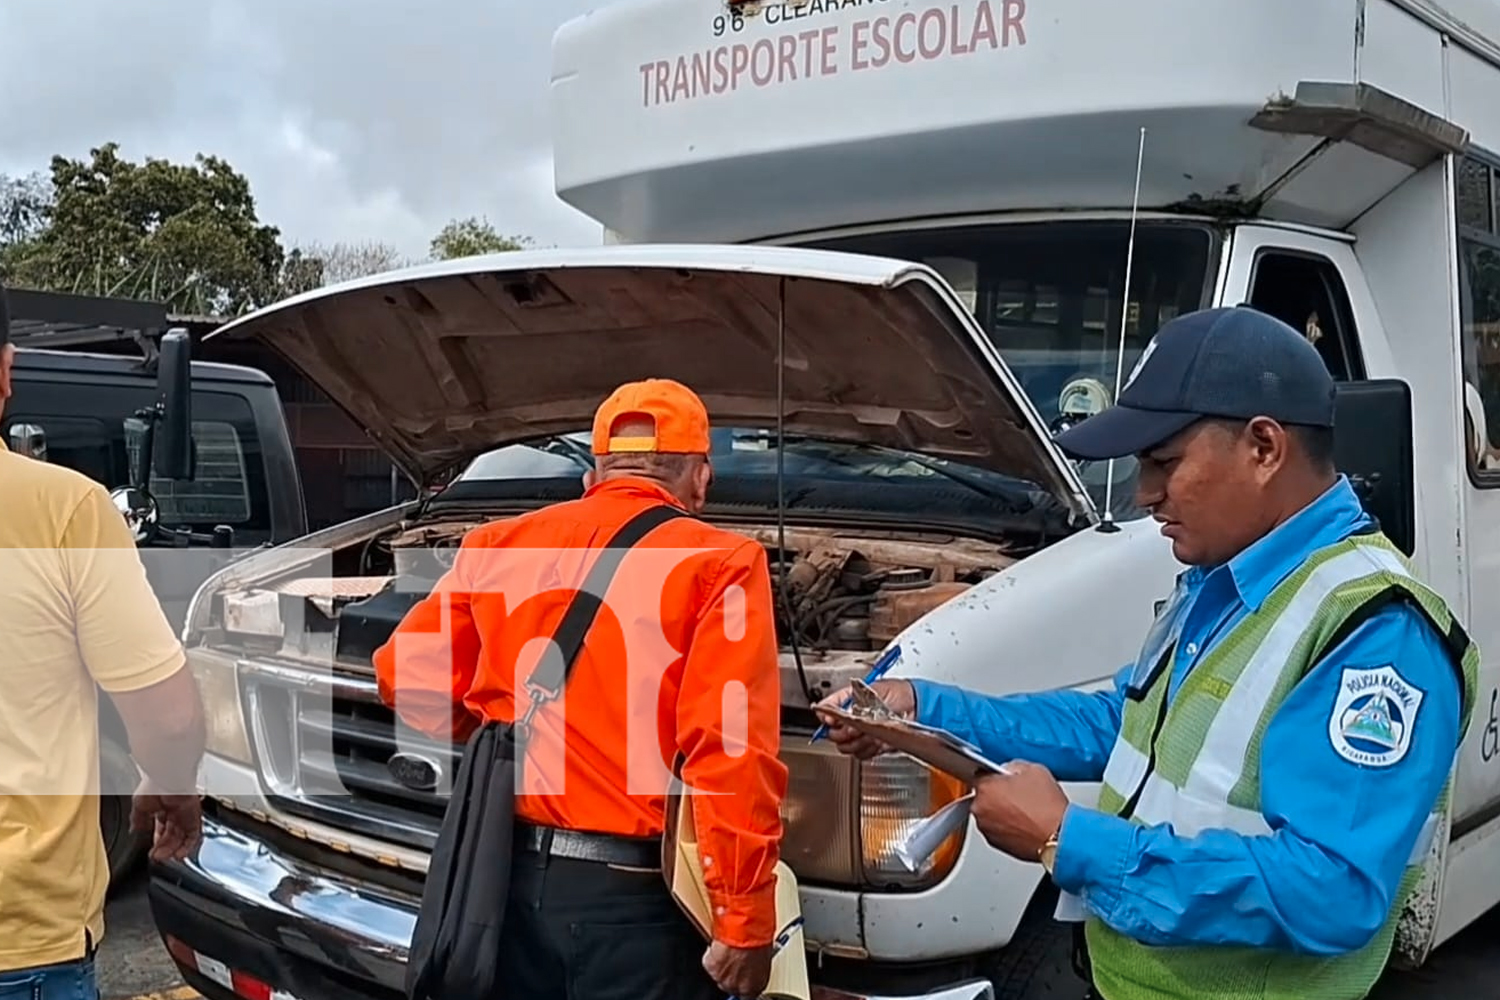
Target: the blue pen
pixel 887 660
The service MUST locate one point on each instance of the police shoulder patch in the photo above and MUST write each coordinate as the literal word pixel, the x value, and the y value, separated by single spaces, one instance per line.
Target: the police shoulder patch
pixel 1373 715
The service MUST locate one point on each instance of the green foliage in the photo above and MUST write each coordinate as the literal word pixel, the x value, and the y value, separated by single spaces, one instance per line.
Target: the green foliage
pixel 24 204
pixel 186 235
pixel 471 237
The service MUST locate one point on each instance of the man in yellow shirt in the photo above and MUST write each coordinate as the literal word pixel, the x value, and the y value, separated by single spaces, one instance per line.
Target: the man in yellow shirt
pixel 77 614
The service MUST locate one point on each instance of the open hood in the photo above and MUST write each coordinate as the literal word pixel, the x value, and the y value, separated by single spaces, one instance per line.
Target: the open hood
pixel 442 362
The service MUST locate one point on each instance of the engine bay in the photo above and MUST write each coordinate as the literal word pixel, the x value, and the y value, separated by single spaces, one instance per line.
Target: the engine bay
pixel 834 590
pixel 840 594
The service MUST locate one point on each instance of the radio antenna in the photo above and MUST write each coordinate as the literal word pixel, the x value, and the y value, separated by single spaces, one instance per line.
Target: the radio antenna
pixel 784 591
pixel 1108 523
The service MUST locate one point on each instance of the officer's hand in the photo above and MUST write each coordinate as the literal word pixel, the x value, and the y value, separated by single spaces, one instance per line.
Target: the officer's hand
pixel 899 697
pixel 1018 812
pixel 739 972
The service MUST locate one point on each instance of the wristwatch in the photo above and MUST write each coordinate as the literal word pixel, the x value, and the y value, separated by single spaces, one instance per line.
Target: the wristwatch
pixel 1048 853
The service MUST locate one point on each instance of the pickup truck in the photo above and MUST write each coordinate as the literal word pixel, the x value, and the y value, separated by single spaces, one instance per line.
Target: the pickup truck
pixel 91 413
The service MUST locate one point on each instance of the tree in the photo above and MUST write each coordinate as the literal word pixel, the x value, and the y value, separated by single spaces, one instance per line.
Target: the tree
pixel 472 236
pixel 185 235
pixel 315 265
pixel 25 203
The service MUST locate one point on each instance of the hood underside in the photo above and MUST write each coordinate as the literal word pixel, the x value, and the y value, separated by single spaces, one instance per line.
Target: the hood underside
pixel 443 362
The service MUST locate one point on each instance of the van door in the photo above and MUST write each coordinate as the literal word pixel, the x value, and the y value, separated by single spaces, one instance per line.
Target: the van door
pixel 1320 286
pixel 1477 453
pixel 1298 278
pixel 1316 285
pixel 1328 287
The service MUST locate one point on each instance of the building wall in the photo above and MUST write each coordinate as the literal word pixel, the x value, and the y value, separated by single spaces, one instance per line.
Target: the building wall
pixel 343 474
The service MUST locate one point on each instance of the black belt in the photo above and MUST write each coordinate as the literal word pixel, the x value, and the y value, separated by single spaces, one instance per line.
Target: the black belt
pixel 607 848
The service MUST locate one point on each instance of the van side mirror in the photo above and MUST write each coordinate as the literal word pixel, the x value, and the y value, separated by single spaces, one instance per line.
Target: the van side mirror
pixel 1373 447
pixel 172 447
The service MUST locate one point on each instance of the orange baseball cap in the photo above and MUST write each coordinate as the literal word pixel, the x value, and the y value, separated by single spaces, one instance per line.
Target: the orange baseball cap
pixel 679 416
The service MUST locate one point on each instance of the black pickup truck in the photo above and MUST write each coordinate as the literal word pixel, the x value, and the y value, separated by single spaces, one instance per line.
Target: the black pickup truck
pixel 196 453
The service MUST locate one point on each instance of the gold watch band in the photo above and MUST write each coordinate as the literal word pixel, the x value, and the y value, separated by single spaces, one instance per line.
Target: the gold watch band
pixel 1047 855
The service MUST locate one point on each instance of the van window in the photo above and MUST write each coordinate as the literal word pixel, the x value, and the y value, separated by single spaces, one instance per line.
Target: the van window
pixel 1051 297
pixel 1479 318
pixel 1305 291
pixel 1050 294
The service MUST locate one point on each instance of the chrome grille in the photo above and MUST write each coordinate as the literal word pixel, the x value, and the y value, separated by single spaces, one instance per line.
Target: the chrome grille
pixel 323 746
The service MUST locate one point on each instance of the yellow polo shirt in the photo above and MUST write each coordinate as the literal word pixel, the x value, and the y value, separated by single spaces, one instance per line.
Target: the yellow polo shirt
pixel 75 609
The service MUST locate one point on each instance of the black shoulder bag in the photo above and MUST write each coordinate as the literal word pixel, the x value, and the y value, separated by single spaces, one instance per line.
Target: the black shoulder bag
pixel 455 946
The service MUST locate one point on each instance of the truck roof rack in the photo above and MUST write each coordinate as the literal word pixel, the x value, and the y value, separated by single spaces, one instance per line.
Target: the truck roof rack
pixel 63 321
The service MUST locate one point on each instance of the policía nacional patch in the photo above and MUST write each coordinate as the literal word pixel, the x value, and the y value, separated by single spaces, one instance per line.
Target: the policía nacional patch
pixel 1373 716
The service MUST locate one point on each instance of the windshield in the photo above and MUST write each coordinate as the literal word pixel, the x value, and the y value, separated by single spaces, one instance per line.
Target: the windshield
pixel 818 474
pixel 1050 296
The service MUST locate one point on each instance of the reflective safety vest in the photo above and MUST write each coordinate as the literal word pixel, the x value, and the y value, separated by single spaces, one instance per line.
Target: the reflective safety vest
pixel 1196 765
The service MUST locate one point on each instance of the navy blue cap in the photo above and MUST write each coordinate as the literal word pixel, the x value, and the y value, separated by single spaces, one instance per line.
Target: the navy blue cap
pixel 4 317
pixel 1236 363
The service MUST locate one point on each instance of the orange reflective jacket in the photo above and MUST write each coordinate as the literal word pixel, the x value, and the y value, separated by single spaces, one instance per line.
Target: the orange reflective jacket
pixel 681 659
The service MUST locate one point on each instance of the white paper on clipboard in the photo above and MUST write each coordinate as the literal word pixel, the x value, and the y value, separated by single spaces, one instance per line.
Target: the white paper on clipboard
pixel 928 835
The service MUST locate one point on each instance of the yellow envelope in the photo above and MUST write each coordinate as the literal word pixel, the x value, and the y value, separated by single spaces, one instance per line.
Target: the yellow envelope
pixel 683 870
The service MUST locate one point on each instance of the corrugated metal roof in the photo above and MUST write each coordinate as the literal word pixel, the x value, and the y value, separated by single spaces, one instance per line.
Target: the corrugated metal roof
pixel 55 319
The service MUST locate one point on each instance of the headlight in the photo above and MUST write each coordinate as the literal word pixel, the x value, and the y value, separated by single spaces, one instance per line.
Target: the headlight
pixel 897 792
pixel 224 716
pixel 843 817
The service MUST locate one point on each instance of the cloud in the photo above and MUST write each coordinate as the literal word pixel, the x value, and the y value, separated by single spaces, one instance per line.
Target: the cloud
pixel 370 120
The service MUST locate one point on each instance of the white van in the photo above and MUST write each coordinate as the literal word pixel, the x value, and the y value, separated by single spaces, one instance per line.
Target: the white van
pixel 977 161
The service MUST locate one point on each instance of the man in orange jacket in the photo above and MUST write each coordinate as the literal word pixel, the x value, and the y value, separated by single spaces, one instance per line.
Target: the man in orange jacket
pixel 589 915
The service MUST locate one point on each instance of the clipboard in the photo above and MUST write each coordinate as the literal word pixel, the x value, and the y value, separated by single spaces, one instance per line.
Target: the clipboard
pixel 683 870
pixel 937 748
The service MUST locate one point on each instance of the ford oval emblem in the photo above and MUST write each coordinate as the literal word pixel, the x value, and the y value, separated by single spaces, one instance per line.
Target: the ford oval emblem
pixel 414 771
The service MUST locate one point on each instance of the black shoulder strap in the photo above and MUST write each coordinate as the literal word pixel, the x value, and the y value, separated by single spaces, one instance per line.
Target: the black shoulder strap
pixel 552 673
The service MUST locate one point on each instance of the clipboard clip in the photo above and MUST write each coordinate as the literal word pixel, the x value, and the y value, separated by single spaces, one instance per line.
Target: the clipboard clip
pixel 866 703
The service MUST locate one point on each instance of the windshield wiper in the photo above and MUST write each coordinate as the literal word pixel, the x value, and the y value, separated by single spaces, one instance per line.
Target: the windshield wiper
pixel 1018 499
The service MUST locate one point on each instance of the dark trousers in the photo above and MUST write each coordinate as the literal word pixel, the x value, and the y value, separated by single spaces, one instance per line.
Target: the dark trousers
pixel 585 930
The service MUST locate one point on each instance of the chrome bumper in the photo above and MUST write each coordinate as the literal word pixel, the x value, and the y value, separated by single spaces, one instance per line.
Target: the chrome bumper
pixel 313 934
pixel 308 932
pixel 965 991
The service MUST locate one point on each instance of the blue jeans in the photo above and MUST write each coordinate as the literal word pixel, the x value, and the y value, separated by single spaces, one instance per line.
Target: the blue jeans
pixel 68 981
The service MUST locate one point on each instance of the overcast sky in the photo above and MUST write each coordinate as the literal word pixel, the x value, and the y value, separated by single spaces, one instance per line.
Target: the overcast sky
pixel 353 119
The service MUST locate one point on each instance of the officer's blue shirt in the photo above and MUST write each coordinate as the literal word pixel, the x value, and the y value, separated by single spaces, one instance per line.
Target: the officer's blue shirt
pixel 1324 882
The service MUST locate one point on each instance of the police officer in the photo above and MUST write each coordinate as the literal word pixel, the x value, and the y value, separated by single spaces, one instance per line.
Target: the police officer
pixel 1275 762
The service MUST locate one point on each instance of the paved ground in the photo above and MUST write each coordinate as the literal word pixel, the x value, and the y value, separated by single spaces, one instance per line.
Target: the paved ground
pixel 1466 966
pixel 132 960
pixel 134 965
